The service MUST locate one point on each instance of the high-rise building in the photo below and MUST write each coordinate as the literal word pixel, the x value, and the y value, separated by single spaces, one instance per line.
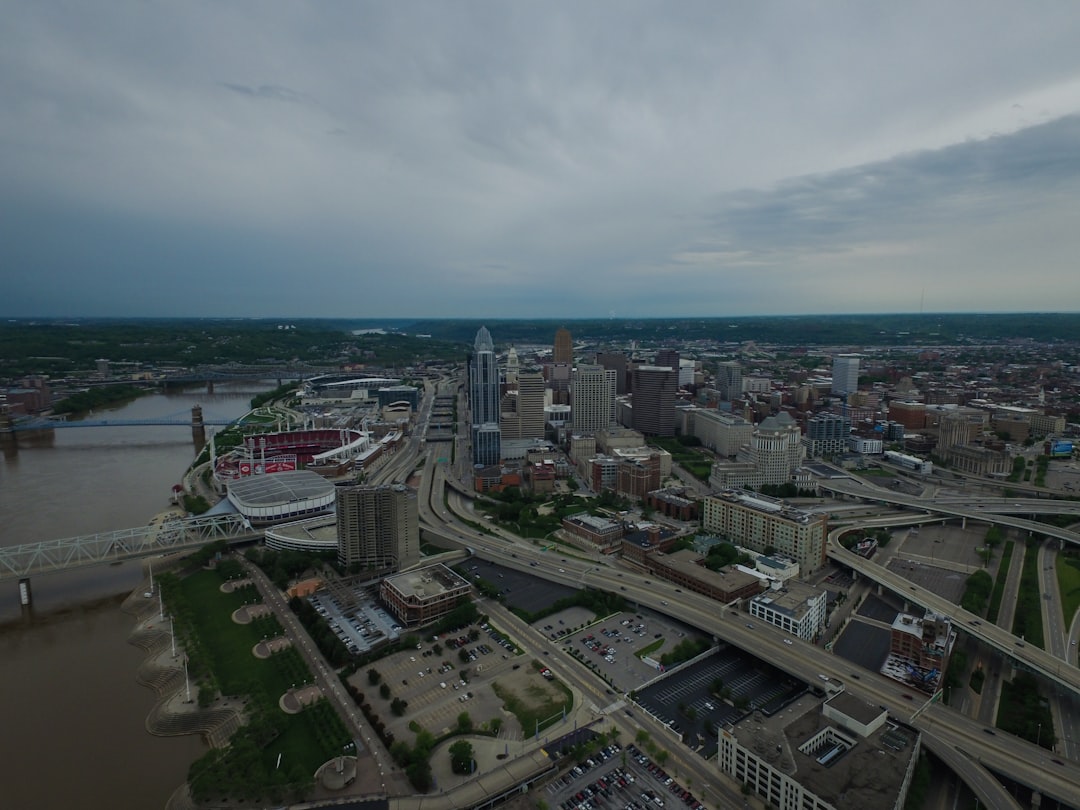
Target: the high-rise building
pixel 845 374
pixel 512 366
pixel 526 421
pixel 592 398
pixel 654 390
pixel 484 400
pixel 729 380
pixel 616 361
pixel 564 347
pixel 826 434
pixel 776 449
pixel 667 357
pixel 377 527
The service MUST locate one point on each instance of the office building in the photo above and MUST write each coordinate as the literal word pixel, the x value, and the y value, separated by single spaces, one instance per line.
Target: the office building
pixel 592 399
pixel 653 401
pixel 424 596
pixel 615 361
pixel 845 374
pixel 848 754
pixel 525 419
pixel 513 365
pixel 722 432
pixel 776 449
pixel 729 380
pixel 795 607
pixel 826 434
pixel 377 527
pixel 564 348
pixel 667 357
pixel 484 400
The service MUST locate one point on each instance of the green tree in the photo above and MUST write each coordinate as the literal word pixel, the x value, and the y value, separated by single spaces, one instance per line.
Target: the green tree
pixel 461 757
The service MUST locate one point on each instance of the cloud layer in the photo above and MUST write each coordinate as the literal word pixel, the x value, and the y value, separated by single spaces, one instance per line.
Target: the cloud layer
pixel 494 159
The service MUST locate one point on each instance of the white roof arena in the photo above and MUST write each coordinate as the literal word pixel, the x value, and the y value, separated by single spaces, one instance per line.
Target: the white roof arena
pixel 281 496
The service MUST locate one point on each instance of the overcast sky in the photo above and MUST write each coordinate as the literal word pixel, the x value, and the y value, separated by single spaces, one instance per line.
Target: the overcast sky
pixel 506 159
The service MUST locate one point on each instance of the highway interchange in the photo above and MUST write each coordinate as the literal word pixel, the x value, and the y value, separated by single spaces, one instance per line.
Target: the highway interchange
pixel 962 743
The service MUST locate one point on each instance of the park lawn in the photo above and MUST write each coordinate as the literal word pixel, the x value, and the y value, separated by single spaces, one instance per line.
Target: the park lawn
pixel 228 643
pixel 1068 577
pixel 309 738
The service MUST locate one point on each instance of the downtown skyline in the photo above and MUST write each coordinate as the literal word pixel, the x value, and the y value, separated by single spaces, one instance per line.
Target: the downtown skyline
pixel 494 160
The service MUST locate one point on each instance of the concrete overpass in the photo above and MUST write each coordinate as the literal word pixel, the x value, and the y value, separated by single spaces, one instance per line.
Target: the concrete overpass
pixel 961 743
pixel 971 508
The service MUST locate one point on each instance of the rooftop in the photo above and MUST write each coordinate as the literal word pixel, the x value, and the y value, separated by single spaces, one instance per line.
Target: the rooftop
pixel 283 487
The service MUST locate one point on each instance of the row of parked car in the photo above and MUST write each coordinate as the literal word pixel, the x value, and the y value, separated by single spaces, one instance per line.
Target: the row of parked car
pixel 681 794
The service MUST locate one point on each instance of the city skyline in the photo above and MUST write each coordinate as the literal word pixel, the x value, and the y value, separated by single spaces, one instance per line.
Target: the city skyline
pixel 491 160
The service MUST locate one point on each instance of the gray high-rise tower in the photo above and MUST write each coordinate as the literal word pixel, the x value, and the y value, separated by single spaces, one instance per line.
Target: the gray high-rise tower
pixel 484 400
pixel 729 380
pixel 592 398
pixel 377 527
pixel 845 374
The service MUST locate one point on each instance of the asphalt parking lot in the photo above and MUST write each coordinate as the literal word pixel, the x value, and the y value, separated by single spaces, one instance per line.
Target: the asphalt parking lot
pixel 683 699
pixel 944 582
pixel 519 590
pixel 616 640
pixel 618 779
pixel 874 607
pixel 864 645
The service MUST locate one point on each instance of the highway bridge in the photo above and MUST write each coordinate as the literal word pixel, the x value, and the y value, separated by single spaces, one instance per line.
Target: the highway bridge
pixel 974 508
pixel 125 544
pixel 176 420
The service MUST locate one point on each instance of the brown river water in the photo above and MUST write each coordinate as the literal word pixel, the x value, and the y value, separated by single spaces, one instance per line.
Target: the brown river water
pixel 73 714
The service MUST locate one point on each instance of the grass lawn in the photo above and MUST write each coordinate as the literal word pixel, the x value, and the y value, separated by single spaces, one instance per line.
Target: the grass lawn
pixel 650 648
pixel 539 707
pixel 308 738
pixel 1068 577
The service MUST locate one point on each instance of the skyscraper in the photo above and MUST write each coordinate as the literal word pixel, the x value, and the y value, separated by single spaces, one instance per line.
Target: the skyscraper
pixel 653 400
pixel 729 380
pixel 592 398
pixel 526 421
pixel 845 374
pixel 564 347
pixel 615 361
pixel 377 527
pixel 484 400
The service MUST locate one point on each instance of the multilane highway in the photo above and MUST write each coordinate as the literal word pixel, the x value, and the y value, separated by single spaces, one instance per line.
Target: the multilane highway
pixel 1047 664
pixel 960 742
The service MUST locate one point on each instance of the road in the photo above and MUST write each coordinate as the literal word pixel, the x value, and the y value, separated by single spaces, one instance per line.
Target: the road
pixel 963 748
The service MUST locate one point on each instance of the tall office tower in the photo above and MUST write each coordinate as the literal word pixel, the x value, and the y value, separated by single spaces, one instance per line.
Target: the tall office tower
pixel 526 421
pixel 667 357
pixel 592 399
pixel 616 361
pixel 512 367
pixel 845 374
pixel 377 527
pixel 484 400
pixel 654 390
pixel 564 348
pixel 729 380
pixel 826 434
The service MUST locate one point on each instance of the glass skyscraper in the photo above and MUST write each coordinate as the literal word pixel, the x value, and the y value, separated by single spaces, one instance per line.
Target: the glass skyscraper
pixel 484 400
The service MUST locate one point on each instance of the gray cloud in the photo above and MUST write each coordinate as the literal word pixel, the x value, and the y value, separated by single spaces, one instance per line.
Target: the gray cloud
pixel 493 158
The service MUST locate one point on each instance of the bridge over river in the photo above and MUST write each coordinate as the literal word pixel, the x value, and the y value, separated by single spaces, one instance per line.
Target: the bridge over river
pixel 166 537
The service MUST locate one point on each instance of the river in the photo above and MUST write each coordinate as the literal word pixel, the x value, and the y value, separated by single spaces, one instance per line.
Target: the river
pixel 74 717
